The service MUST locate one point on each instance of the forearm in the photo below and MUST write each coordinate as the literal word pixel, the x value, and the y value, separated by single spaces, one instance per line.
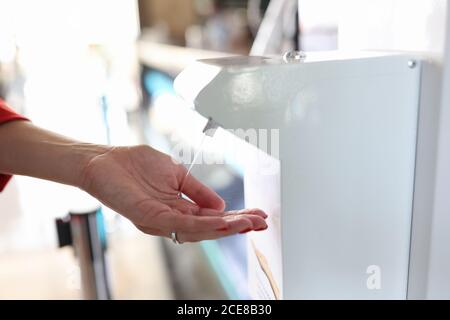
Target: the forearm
pixel 26 149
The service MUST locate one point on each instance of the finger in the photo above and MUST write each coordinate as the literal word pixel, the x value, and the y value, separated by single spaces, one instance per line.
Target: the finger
pixel 254 211
pixel 235 225
pixel 174 220
pixel 188 207
pixel 202 195
pixel 212 212
pixel 233 228
pixel 255 216
pixel 257 223
pixel 254 219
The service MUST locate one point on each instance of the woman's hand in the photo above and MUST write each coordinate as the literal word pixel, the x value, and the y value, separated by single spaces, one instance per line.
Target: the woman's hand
pixel 138 182
pixel 143 185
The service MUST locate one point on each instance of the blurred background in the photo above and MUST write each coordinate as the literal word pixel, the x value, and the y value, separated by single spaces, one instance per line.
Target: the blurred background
pixel 102 71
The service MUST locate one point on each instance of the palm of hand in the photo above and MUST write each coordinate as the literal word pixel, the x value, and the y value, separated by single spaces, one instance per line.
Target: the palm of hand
pixel 143 185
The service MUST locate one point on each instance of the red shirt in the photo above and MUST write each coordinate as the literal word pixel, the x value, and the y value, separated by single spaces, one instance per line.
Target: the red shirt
pixel 7 114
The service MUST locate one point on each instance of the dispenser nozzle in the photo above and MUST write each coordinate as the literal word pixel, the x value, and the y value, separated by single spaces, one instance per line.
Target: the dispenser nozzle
pixel 210 127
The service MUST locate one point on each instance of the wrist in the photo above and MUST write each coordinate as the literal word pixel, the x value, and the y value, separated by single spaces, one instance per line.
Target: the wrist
pixel 83 154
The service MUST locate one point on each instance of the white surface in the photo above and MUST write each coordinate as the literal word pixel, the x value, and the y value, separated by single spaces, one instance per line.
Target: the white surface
pixel 347 180
pixel 425 179
pixel 347 151
pixel 439 277
pixel 416 25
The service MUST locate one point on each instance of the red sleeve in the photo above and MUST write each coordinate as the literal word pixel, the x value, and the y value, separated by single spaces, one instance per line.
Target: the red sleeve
pixel 7 114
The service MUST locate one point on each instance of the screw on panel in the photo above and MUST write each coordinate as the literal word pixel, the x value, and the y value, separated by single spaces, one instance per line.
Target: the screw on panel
pixel 294 55
pixel 412 64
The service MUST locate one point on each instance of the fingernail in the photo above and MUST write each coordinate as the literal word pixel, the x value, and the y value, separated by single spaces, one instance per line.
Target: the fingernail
pixel 222 229
pixel 263 213
pixel 246 230
pixel 261 229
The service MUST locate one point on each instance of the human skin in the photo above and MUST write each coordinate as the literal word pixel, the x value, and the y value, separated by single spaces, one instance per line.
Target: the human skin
pixel 137 182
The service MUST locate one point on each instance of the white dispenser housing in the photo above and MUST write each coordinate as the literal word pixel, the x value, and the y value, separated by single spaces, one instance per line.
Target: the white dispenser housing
pixel 339 185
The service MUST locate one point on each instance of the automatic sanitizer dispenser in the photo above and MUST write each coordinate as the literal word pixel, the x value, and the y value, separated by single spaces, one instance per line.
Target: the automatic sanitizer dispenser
pixel 333 165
